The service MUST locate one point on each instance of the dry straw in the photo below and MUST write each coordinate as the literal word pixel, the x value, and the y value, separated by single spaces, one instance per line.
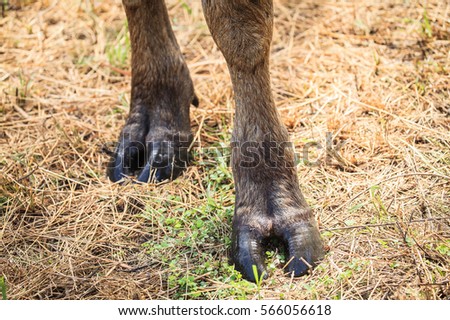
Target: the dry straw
pixel 375 74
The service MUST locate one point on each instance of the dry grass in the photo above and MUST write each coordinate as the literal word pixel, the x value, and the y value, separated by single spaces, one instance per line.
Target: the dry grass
pixel 374 74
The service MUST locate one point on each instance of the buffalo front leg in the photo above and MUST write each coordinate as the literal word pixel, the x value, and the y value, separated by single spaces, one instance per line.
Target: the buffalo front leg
pixel 154 141
pixel 268 199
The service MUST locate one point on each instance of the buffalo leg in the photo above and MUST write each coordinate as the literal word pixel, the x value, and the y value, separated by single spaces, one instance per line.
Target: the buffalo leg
pixel 154 141
pixel 268 199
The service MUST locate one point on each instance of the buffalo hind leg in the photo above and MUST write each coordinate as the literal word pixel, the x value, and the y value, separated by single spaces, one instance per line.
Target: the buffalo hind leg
pixel 268 199
pixel 154 141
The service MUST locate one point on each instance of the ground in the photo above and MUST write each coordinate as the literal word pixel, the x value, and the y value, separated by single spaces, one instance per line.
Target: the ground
pixel 363 87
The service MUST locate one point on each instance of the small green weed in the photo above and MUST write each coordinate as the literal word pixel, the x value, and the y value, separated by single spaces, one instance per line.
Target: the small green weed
pixel 426 28
pixel 192 241
pixel 444 248
pixel 3 288
pixel 377 202
pixel 186 7
pixel 119 50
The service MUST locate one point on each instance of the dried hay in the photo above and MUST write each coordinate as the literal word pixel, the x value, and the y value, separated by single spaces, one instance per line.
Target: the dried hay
pixel 373 74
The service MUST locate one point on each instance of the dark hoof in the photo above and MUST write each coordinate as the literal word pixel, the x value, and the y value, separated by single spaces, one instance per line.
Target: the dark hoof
pixel 248 253
pixel 149 160
pixel 301 239
pixel 128 158
pixel 165 161
pixel 304 247
pixel 156 162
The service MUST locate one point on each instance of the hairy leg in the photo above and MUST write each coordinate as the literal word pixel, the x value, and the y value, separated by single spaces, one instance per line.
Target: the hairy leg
pixel 154 141
pixel 268 199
